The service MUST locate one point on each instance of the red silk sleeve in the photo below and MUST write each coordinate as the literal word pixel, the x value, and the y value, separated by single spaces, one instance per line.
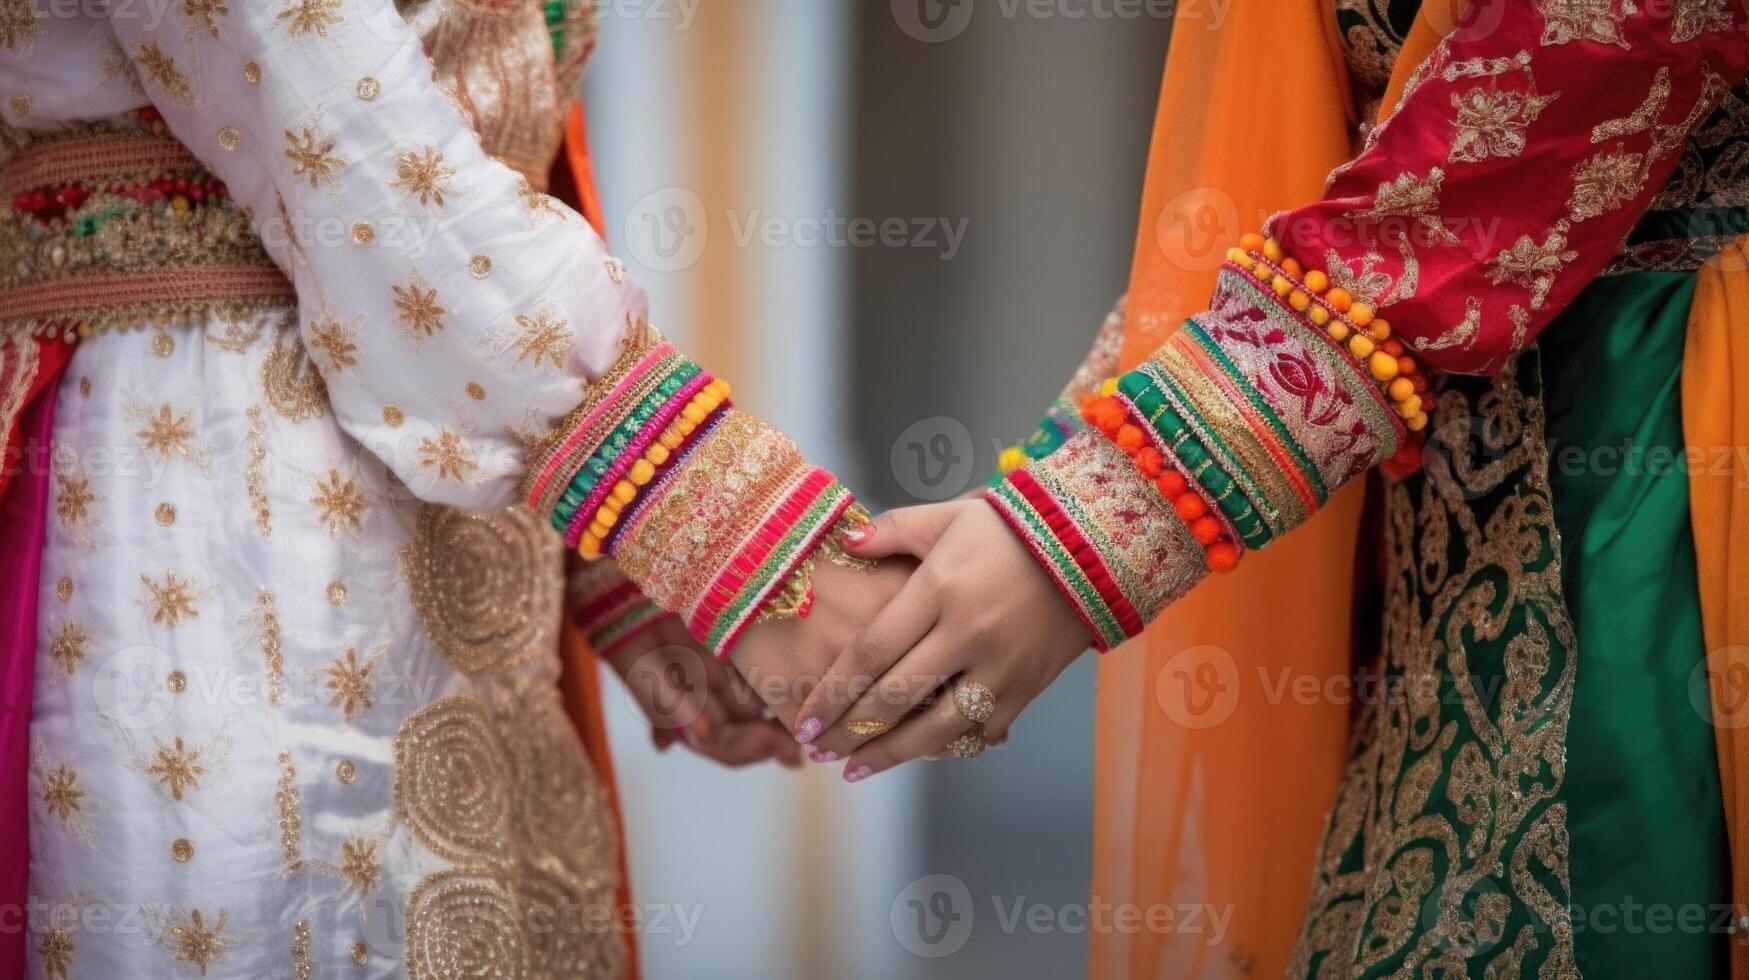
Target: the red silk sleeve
pixel 1517 162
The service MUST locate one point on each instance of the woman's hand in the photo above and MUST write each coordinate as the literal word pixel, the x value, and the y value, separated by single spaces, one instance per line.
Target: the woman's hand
pixel 783 661
pixel 690 697
pixel 979 609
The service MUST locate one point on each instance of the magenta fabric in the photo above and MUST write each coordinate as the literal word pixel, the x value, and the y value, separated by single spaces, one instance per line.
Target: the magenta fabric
pixel 23 523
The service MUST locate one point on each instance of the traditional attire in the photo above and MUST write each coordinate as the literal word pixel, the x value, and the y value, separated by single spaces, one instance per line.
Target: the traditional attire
pixel 1531 764
pixel 297 703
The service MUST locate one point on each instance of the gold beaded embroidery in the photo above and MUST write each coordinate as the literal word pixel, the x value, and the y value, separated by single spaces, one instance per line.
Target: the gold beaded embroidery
pixel 64 589
pixel 337 592
pixel 392 416
pixel 302 969
pixel 178 766
pixel 163 345
pixel 176 682
pixel 291 821
pixel 349 683
pixel 368 88
pixel 252 73
pixel 464 923
pixel 261 625
pixel 363 233
pixel 422 175
pixel 54 948
pixel 452 783
pixel 475 391
pixel 230 137
pixel 67 648
pixel 487 587
pixel 160 68
pixel 536 338
pixel 346 771
pixel 480 266
pixel 182 849
pixel 164 514
pixel 172 600
pixel 255 470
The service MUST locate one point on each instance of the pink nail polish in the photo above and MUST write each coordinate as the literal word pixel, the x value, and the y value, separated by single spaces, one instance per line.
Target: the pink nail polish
pixel 808 731
pixel 859 535
pixel 858 773
pixel 823 756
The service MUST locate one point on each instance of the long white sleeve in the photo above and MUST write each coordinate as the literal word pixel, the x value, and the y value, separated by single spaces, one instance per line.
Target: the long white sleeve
pixel 451 308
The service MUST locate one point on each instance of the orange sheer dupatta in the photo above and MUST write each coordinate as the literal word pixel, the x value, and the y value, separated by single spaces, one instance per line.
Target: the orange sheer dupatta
pixel 572 180
pixel 1222 731
pixel 1715 425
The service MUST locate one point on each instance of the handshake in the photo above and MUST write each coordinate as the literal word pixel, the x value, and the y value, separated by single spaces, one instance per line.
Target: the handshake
pixel 931 652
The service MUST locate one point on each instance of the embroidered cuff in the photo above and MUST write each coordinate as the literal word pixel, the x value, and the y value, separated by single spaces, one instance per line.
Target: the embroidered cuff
pixel 1234 432
pixel 713 513
pixel 609 608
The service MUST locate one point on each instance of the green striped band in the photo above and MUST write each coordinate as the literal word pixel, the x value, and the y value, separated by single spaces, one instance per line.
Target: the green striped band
pixel 1094 610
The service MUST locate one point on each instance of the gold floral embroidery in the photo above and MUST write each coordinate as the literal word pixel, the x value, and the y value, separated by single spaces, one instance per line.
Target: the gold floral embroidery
pixel 1692 18
pixel 18 23
pixel 1493 123
pixel 67 648
pixel 360 953
pixel 312 157
pixel 1605 182
pixel 117 64
pixel 539 204
pixel 336 340
pixel 55 949
pixel 305 17
pixel 302 968
pixel 464 923
pixel 1566 21
pixel 234 338
pixel 540 337
pixel 167 432
pixel 230 137
pixel 172 600
pixel 187 937
pixel 293 386
pixel 452 781
pixel 349 682
pixel 417 310
pixel 255 470
pixel 339 503
pixel 422 174
pixel 1533 266
pixel 261 625
pixel 291 821
pixel 161 69
pixel 178 766
pixel 487 587
pixel 360 867
pixel 73 496
pixel 1412 197
pixel 206 13
pixel 449 455
pixel 61 794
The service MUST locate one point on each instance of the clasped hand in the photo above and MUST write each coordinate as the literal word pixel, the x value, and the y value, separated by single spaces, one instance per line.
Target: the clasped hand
pixel 868 676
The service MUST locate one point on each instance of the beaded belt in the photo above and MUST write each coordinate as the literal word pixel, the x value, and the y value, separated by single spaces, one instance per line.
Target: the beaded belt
pixel 118 226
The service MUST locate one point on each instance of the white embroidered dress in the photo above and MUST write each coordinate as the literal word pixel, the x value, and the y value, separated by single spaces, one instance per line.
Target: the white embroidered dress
pixel 293 716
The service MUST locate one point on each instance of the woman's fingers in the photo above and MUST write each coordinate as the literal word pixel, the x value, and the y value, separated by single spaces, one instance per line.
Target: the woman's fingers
pixel 898 693
pixel 924 734
pixel 888 637
pixel 907 531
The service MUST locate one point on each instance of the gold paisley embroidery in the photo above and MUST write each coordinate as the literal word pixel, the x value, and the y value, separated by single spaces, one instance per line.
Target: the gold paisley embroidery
pixel 464 923
pixel 292 385
pixel 1479 661
pixel 487 587
pixel 1566 21
pixel 1692 18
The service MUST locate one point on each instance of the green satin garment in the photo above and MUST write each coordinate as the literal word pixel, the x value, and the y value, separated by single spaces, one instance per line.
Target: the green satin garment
pixel 1649 860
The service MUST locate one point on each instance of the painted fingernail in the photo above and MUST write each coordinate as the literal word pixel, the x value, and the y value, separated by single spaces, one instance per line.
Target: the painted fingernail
pixel 808 730
pixel 859 535
pixel 857 774
pixel 822 756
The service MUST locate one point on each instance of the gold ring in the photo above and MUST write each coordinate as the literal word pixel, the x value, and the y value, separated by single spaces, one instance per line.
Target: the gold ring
pixel 975 702
pixel 866 728
pixel 968 746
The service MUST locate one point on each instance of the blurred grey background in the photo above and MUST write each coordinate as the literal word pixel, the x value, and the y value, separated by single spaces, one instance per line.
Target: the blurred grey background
pixel 895 225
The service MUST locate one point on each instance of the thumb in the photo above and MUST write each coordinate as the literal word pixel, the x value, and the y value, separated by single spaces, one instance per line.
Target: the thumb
pixel 908 531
